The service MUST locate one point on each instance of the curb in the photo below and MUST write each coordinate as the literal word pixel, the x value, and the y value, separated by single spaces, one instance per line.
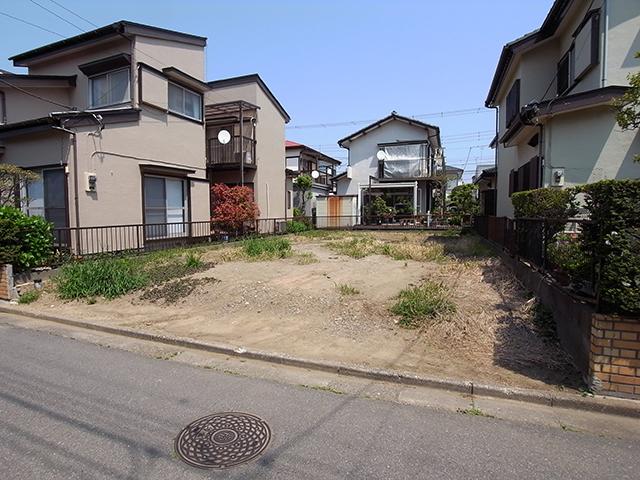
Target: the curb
pixel 607 405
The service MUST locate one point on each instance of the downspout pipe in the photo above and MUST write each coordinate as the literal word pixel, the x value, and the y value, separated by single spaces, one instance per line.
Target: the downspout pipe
pixel 76 202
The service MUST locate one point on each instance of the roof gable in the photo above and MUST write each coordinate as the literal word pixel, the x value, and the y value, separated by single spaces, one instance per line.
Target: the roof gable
pixel 433 131
pixel 121 28
pixel 252 78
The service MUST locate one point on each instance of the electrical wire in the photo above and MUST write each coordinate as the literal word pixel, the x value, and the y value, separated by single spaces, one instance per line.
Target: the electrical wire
pixel 74 14
pixel 32 24
pixel 34 95
pixel 56 15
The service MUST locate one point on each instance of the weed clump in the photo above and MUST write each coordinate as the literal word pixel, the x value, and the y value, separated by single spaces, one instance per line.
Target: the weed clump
pixel 267 248
pixel 101 277
pixel 427 301
pixel 29 297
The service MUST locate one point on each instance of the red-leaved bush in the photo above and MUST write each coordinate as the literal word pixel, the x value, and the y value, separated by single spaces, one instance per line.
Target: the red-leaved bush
pixel 232 206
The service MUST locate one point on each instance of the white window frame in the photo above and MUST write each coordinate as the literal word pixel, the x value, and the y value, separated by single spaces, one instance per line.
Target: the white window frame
pixel 110 88
pixel 183 114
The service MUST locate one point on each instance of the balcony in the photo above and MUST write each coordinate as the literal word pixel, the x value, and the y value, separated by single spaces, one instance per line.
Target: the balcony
pixel 227 156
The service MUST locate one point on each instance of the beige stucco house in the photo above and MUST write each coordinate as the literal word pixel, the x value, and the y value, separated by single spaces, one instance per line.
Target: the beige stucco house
pixel 552 91
pixel 246 108
pixel 112 119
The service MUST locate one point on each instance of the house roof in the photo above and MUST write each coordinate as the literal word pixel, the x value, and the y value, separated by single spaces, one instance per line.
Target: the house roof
pixel 552 21
pixel 252 78
pixel 485 174
pixel 121 27
pixel 570 103
pixel 26 80
pixel 325 157
pixel 390 118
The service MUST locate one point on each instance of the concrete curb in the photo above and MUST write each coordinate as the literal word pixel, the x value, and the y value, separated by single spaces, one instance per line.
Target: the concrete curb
pixel 608 405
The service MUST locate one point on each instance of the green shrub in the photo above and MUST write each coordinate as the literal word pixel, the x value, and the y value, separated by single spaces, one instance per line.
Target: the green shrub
pixel 426 301
pixel 267 248
pixel 612 237
pixel 104 277
pixel 566 254
pixel 29 297
pixel 297 212
pixel 295 226
pixel 548 203
pixel 25 241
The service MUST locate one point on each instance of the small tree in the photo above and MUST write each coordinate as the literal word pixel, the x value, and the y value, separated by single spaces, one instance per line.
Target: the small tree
pixel 628 106
pixel 463 200
pixel 11 180
pixel 303 184
pixel 232 207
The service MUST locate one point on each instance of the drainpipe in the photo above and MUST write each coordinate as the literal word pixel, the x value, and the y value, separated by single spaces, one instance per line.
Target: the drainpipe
pixel 605 38
pixel 3 107
pixel 74 143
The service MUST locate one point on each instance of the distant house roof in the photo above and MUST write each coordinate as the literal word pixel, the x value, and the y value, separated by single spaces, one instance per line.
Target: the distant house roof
pixel 434 132
pixel 485 174
pixel 121 27
pixel 549 26
pixel 252 78
pixel 325 157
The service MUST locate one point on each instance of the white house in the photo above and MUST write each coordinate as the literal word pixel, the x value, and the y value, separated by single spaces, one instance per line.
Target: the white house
pixel 397 158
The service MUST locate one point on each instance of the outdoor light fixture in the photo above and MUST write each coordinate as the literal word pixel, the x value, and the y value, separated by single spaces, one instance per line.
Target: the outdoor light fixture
pixel 315 174
pixel 224 137
pixel 381 155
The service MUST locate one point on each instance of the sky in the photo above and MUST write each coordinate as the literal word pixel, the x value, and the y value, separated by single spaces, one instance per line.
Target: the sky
pixel 348 62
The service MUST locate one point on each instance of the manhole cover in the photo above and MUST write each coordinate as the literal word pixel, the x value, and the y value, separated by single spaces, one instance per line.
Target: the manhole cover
pixel 223 440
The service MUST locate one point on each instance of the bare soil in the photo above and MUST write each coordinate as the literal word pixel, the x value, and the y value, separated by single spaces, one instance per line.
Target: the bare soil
pixel 294 306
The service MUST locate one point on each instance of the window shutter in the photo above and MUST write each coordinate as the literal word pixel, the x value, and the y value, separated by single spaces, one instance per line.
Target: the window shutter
pixel 534 172
pixel 510 182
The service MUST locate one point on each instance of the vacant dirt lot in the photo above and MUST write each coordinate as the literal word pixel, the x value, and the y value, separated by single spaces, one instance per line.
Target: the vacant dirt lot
pixel 330 300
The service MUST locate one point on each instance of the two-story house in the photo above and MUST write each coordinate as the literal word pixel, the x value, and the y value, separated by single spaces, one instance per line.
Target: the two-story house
pixel 255 121
pixel 397 158
pixel 552 91
pixel 303 160
pixel 113 122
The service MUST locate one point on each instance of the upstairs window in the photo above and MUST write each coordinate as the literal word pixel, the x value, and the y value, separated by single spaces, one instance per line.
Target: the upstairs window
pixel 185 102
pixel 513 103
pixel 563 81
pixel 111 88
pixel 586 45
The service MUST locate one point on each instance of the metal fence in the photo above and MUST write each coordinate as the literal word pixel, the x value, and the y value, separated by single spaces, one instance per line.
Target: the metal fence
pixel 95 240
pixel 545 245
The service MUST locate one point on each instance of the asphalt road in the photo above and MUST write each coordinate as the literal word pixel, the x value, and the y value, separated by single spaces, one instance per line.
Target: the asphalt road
pixel 73 410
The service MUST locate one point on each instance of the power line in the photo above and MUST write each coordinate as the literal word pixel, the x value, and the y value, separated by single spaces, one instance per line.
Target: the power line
pixel 32 24
pixel 74 13
pixel 56 15
pixel 443 114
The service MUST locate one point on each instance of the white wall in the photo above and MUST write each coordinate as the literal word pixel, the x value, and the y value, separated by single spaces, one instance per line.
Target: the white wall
pixel 363 150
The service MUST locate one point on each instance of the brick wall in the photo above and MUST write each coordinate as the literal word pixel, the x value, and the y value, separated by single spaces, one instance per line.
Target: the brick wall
pixel 6 282
pixel 615 355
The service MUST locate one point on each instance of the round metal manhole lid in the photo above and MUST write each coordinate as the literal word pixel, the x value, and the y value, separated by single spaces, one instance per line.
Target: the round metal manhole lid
pixel 223 440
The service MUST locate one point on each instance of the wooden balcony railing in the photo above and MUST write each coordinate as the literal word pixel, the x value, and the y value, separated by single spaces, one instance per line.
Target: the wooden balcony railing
pixel 229 154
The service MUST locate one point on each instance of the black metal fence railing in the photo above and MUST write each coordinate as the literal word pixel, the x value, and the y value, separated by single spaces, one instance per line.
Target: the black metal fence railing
pixel 551 246
pixel 86 241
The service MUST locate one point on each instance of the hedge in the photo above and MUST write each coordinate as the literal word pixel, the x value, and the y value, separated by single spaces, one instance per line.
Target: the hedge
pixel 25 242
pixel 548 203
pixel 613 238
